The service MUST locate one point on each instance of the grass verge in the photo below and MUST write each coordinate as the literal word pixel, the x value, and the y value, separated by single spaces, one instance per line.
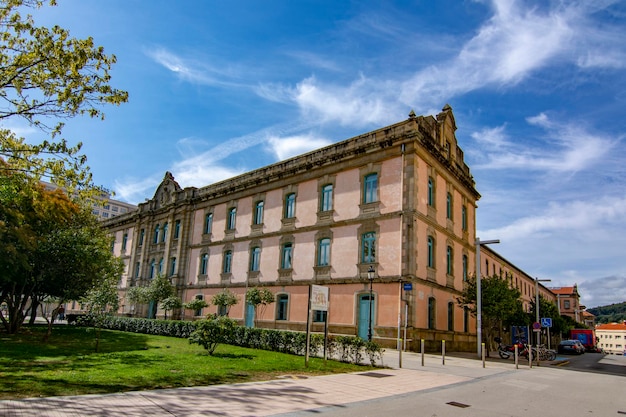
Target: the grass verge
pixel 68 364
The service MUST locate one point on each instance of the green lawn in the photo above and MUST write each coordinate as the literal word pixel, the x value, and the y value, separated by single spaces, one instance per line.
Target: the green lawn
pixel 68 364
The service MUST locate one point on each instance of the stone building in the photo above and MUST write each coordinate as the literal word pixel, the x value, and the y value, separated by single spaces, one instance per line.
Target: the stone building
pixel 398 200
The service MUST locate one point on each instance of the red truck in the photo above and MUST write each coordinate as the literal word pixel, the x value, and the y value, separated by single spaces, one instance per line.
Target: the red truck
pixel 586 336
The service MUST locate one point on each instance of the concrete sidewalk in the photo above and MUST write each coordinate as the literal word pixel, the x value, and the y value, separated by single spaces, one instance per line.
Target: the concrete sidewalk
pixel 267 398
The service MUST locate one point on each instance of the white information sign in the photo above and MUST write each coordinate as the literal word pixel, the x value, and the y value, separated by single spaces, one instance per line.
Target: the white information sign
pixel 319 298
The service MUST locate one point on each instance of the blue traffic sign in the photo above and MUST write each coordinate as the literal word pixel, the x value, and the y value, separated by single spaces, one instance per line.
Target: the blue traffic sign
pixel 408 286
pixel 546 322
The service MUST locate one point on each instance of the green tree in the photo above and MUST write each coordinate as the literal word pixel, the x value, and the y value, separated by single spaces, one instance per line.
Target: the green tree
pixel 102 299
pixel 171 303
pixel 47 76
pixel 60 249
pixel 225 299
pixel 159 289
pixel 260 299
pixel 210 333
pixel 196 304
pixel 501 305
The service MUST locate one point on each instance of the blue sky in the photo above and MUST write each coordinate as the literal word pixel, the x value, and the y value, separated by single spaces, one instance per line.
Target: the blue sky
pixel 538 88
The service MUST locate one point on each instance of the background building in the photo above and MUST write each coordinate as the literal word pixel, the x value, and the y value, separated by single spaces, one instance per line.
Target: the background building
pixel 612 338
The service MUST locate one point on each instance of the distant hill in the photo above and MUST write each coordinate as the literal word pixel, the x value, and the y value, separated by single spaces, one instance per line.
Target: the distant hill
pixel 609 314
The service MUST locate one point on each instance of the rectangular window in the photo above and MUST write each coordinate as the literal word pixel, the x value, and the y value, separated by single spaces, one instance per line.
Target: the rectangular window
pixel 286 256
pixel 232 219
pixel 124 241
pixel 370 188
pixel 449 259
pixel 164 234
pixel 323 255
pixel 228 262
pixel 368 248
pixel 281 306
pixel 255 259
pixel 449 206
pixel 258 213
pixel 208 223
pixel 319 316
pixel 156 233
pixel 290 206
pixel 177 229
pixel 327 198
pixel 464 217
pixel 204 262
pixel 142 234
pixel 137 269
pixel 451 317
pixel 432 311
pixel 566 304
pixel 173 266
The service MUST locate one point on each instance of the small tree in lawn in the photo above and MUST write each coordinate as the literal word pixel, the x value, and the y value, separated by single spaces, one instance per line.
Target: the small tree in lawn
pixel 196 304
pixel 171 303
pixel 210 333
pixel 102 300
pixel 225 300
pixel 160 288
pixel 260 299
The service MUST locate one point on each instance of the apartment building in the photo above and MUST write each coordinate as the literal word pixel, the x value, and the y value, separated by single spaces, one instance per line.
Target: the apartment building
pixel 612 338
pixel 105 208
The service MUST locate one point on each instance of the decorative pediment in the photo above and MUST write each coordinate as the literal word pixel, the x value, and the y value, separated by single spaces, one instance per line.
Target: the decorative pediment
pixel 166 192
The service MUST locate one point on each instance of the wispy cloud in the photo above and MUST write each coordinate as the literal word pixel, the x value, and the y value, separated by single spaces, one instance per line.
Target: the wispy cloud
pixel 568 147
pixel 196 72
pixel 287 147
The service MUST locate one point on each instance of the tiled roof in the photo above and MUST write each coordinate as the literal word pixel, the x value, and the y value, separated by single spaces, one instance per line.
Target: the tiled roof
pixel 611 326
pixel 564 290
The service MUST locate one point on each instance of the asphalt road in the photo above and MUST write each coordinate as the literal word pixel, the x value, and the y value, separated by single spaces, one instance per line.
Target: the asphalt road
pixel 595 362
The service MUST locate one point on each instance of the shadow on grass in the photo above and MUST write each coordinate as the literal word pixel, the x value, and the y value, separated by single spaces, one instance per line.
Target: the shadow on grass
pixel 233 356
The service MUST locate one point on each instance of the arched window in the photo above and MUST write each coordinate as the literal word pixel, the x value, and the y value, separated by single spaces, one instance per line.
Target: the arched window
pixel 282 302
pixel 430 261
pixel 228 262
pixel 323 252
pixel 290 206
pixel 255 259
pixel 451 316
pixel 370 188
pixel 431 192
pixel 232 218
pixel 449 206
pixel 287 253
pixel 432 312
pixel 258 212
pixel 464 268
pixel 326 203
pixel 449 260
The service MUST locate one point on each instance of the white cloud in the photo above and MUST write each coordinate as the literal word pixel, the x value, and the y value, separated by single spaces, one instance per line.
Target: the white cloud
pixel 570 147
pixel 196 72
pixel 287 147
pixel 587 218
pixel 603 291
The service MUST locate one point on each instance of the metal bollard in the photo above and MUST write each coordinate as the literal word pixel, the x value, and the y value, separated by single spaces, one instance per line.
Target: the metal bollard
pixel 400 355
pixel 482 353
pixel 516 356
pixel 443 352
pixel 422 350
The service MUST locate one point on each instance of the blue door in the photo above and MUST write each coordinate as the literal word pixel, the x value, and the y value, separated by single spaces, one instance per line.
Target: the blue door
pixel 249 315
pixel 364 315
pixel 152 310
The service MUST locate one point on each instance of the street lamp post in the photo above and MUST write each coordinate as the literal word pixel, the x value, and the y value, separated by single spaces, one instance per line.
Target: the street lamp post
pixel 370 276
pixel 537 281
pixel 479 304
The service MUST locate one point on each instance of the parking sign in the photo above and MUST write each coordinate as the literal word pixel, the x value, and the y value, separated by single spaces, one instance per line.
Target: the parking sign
pixel 546 322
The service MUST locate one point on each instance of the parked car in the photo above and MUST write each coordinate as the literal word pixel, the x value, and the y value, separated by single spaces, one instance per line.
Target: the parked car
pixel 571 346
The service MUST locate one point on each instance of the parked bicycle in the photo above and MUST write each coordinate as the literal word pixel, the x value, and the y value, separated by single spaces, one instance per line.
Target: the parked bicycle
pixel 544 353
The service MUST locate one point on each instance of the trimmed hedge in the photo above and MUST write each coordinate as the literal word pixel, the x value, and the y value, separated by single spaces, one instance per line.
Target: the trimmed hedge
pixel 344 348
